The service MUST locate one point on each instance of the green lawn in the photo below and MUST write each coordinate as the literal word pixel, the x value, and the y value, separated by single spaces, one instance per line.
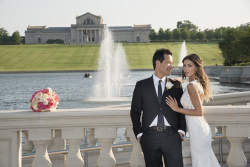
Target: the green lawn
pixel 66 57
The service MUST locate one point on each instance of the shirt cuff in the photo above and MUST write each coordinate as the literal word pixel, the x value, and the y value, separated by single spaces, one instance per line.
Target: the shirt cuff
pixel 182 132
pixel 139 135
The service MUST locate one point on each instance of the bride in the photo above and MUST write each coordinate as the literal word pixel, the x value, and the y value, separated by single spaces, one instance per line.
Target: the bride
pixel 196 91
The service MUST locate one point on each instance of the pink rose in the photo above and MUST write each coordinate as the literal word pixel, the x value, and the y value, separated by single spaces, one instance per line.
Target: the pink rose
pixel 45 91
pixel 42 106
pixel 34 95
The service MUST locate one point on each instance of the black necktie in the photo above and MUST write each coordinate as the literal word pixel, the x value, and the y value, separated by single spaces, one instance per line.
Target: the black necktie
pixel 159 91
pixel 160 115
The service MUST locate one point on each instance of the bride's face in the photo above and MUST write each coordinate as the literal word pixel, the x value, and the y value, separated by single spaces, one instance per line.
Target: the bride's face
pixel 189 68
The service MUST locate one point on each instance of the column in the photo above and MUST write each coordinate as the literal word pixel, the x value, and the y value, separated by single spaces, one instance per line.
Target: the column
pixel 97 36
pixel 41 139
pixel 236 135
pixel 106 136
pixel 74 137
pixel 136 158
pixel 91 35
pixel 87 32
pixel 236 156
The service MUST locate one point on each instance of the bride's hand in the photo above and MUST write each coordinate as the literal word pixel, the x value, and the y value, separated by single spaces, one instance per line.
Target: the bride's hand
pixel 172 103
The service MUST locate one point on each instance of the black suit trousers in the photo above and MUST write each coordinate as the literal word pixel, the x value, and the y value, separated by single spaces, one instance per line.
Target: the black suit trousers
pixel 156 145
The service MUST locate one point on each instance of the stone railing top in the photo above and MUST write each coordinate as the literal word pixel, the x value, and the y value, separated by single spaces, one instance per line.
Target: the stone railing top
pixel 230 98
pixel 227 115
pixel 234 94
pixel 108 116
pixel 89 117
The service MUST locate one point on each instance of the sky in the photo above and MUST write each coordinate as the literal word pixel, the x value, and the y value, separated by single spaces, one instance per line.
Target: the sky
pixel 16 15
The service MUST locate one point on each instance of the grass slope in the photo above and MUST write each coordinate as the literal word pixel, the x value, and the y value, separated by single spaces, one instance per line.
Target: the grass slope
pixel 67 57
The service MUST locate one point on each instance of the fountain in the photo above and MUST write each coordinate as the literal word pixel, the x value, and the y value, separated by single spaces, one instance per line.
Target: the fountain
pixel 182 54
pixel 112 71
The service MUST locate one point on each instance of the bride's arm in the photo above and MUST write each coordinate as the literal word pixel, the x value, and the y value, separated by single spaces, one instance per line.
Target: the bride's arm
pixel 195 99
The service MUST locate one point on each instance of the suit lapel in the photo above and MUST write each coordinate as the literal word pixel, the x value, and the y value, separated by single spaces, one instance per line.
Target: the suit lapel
pixel 152 88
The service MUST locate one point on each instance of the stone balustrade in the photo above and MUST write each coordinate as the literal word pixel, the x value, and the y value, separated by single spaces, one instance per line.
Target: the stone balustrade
pixel 236 98
pixel 42 129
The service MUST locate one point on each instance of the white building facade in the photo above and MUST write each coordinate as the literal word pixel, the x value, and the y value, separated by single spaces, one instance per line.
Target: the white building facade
pixel 87 30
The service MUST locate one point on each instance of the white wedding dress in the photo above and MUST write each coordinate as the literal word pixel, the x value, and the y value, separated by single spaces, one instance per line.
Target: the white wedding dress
pixel 200 135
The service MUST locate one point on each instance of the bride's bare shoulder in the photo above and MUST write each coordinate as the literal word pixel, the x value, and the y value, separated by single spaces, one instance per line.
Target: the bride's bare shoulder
pixel 193 89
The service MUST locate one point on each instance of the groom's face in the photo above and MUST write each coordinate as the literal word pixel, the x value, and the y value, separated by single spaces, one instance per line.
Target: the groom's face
pixel 166 65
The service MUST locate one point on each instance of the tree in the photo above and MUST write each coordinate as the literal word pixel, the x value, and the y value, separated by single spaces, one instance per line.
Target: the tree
pixel 201 35
pixel 185 34
pixel 186 24
pixel 152 35
pixel 168 34
pixel 176 34
pixel 161 34
pixel 16 38
pixel 209 34
pixel 235 46
pixel 193 35
pixel 4 38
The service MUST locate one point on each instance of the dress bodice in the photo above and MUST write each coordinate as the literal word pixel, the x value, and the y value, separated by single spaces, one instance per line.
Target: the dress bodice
pixel 185 99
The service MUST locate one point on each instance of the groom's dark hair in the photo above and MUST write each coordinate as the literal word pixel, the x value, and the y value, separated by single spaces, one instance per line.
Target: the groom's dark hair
pixel 159 55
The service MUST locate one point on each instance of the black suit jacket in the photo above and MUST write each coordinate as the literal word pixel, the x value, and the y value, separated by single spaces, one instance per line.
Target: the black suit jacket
pixel 145 102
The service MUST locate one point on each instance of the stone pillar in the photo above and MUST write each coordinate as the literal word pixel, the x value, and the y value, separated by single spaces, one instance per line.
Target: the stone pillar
pixel 87 32
pixel 95 36
pixel 81 36
pixel 84 36
pixel 136 158
pixel 236 135
pixel 74 136
pixel 236 156
pixel 10 148
pixel 41 139
pixel 77 36
pixel 106 136
pixel 91 35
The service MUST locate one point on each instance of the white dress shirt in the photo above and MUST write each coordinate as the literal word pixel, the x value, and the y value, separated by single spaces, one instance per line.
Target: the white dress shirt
pixel 155 121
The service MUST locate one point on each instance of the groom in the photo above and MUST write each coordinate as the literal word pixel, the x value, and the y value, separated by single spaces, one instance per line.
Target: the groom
pixel 161 130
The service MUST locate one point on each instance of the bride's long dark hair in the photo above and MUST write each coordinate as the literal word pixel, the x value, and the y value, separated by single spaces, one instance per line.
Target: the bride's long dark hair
pixel 200 75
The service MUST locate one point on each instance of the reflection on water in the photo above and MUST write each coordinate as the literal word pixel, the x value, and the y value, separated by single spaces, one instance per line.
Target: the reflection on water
pixel 74 90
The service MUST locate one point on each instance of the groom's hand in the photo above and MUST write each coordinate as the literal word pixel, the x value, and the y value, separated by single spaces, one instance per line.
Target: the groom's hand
pixel 139 139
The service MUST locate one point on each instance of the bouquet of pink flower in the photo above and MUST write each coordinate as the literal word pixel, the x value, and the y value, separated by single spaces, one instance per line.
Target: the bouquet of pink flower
pixel 45 100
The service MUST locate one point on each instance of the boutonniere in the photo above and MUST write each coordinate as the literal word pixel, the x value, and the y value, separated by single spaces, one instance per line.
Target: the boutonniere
pixel 169 84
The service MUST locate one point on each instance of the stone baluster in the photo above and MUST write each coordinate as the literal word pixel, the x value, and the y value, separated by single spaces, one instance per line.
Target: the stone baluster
pixel 74 137
pixel 236 156
pixel 236 136
pixel 105 137
pixel 41 139
pixel 136 158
